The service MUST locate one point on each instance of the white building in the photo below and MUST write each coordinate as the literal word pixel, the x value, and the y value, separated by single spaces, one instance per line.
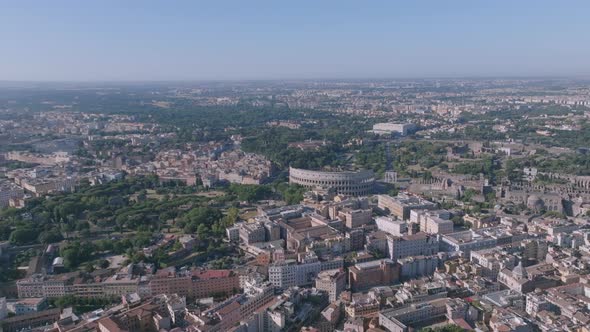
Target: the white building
pixel 436 225
pixel 392 226
pixel 412 245
pixel 417 266
pixel 419 216
pixel 389 128
pixel 466 241
pixel 26 306
pixel 289 273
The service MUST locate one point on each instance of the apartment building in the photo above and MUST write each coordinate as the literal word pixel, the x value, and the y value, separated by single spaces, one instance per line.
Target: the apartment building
pixel 39 286
pixel 436 225
pixel 412 245
pixel 195 283
pixel 362 305
pixel 392 226
pixel 26 306
pixel 418 216
pixel 417 266
pixel 331 281
pixel 401 320
pixel 466 241
pixel 355 218
pixel 365 275
pixel 401 205
pixel 31 320
pixel 252 232
pixel 289 273
pixel 238 308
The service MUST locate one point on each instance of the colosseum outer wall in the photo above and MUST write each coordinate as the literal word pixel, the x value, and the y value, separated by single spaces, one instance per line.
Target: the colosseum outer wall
pixel 358 183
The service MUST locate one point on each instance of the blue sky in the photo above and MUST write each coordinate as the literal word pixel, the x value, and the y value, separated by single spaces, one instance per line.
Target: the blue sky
pixel 249 39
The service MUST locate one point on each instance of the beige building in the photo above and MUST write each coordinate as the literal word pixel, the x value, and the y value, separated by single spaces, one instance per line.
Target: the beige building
pixel 331 281
pixel 436 225
pixel 365 275
pixel 355 218
pixel 401 205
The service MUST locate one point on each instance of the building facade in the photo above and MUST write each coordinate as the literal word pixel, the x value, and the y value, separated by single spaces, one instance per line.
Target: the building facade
pixel 412 245
pixel 365 275
pixel 359 183
pixel 331 281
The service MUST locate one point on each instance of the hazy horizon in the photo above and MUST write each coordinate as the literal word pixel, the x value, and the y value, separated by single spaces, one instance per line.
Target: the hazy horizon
pixel 312 79
pixel 146 41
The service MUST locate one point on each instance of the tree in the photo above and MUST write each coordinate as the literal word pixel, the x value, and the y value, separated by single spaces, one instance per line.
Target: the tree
pixel 119 247
pixel 490 197
pixel 89 267
pixel 70 256
pixel 76 253
pixel 446 328
pixel 142 196
pixel 142 239
pixel 23 236
pixel 292 194
pixel 51 236
pixel 555 214
pixel 104 245
pixel 64 301
pixel 468 194
pixel 458 221
pixel 231 216
pixel 202 231
pixel 5 231
pixel 103 264
pixel 250 192
pixel 203 215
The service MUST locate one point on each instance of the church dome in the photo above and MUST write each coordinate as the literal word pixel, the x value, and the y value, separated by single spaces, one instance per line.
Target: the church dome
pixel 519 271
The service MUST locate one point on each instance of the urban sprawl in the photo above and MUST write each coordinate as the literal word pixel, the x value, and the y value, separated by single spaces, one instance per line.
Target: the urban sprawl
pixel 407 205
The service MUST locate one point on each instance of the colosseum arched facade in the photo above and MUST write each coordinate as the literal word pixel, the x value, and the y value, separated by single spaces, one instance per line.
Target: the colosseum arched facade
pixel 359 183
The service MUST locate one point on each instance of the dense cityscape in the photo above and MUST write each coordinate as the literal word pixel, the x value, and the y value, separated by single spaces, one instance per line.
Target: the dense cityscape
pixel 296 205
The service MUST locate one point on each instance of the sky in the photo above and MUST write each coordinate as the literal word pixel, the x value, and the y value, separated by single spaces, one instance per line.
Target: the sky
pixel 132 40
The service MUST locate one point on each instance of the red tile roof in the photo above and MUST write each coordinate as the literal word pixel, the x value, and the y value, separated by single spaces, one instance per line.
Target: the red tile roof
pixel 228 308
pixel 212 274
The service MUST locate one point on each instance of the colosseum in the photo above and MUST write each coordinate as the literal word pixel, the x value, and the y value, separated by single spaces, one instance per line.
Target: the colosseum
pixel 345 183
